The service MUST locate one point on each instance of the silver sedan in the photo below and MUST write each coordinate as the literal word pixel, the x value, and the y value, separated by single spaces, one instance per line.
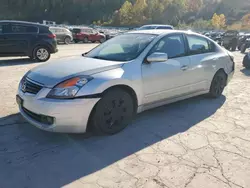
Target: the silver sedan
pixel 133 72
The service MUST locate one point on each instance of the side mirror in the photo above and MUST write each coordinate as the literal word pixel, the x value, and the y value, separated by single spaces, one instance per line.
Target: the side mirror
pixel 157 57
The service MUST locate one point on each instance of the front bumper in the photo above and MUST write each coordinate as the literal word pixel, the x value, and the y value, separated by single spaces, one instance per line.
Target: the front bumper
pixel 70 116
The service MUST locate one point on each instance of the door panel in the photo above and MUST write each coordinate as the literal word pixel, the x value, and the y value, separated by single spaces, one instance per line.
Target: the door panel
pixel 163 80
pixel 172 78
pixel 4 43
pixel 202 59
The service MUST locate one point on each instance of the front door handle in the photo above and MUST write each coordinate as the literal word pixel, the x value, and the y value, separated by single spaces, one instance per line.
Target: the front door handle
pixel 184 67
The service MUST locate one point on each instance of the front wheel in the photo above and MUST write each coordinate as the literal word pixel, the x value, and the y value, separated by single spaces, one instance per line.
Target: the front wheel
pixel 218 84
pixel 41 54
pixel 102 40
pixel 113 112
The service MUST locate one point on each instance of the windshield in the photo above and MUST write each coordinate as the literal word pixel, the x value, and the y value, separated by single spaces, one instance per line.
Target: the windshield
pixel 231 33
pixel 76 30
pixel 122 48
pixel 147 27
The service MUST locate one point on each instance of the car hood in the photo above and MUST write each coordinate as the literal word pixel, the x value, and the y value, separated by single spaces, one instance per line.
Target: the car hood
pixel 50 74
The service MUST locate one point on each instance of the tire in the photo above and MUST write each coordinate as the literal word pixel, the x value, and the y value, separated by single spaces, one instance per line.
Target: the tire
pixel 41 54
pixel 102 40
pixel 218 84
pixel 246 62
pixel 112 113
pixel 234 46
pixel 67 40
pixel 239 46
pixel 85 40
pixel 243 48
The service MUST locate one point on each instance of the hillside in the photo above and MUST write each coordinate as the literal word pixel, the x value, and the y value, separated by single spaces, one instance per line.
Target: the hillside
pixel 87 11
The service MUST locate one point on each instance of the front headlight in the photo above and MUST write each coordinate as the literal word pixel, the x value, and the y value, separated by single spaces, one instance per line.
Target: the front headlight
pixel 69 88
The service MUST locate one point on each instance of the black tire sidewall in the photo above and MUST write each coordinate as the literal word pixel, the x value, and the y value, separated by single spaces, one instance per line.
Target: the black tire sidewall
pixel 211 91
pixel 95 119
pixel 243 48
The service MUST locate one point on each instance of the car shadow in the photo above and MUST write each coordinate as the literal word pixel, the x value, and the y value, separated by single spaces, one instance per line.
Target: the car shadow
pixel 16 61
pixel 245 71
pixel 36 158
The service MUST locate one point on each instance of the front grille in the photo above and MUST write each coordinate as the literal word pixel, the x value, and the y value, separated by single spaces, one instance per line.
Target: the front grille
pixel 47 120
pixel 31 87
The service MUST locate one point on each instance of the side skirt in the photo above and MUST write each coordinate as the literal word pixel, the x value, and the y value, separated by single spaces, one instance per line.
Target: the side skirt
pixel 170 100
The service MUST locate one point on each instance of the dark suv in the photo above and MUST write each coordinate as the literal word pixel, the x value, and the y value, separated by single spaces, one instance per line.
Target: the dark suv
pixel 62 34
pixel 244 43
pixel 230 40
pixel 18 38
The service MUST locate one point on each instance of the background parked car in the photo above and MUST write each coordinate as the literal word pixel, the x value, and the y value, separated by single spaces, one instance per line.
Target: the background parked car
pixel 87 34
pixel 19 38
pixel 62 34
pixel 147 27
pixel 244 43
pixel 230 40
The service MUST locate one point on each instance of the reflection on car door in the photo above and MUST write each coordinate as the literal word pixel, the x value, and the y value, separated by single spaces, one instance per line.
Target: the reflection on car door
pixel 59 34
pixel 169 79
pixel 203 59
pixel 4 43
pixel 19 38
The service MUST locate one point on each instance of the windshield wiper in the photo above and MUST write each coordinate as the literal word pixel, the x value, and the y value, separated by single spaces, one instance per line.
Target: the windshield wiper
pixel 99 57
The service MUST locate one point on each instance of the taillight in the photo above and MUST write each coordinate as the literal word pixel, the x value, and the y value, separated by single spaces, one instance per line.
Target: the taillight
pixel 52 36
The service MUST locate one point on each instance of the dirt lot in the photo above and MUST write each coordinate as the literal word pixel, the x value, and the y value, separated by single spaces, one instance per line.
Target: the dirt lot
pixel 196 143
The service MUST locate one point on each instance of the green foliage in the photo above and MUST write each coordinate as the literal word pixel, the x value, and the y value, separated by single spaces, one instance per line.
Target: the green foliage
pixel 191 13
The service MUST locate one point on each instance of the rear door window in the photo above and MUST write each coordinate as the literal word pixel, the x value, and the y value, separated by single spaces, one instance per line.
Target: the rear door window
pixel 4 28
pixel 198 45
pixel 16 28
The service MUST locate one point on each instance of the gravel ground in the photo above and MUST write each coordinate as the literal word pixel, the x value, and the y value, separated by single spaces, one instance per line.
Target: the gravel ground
pixel 196 143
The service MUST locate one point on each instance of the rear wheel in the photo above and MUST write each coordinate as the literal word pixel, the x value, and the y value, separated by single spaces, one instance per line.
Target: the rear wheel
pixel 218 84
pixel 85 40
pixel 41 54
pixel 243 48
pixel 113 112
pixel 67 40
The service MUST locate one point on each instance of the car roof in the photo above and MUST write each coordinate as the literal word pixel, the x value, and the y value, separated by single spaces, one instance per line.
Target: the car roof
pixel 156 25
pixel 23 22
pixel 162 32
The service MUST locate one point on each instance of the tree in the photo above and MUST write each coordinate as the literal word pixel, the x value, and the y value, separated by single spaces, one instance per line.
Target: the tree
pixel 246 21
pixel 194 5
pixel 125 13
pixel 219 21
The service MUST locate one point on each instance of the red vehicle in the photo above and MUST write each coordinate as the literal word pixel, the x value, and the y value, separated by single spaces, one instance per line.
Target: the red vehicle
pixel 87 34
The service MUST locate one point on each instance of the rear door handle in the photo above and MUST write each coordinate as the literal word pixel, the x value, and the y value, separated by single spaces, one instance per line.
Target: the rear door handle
pixel 184 67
